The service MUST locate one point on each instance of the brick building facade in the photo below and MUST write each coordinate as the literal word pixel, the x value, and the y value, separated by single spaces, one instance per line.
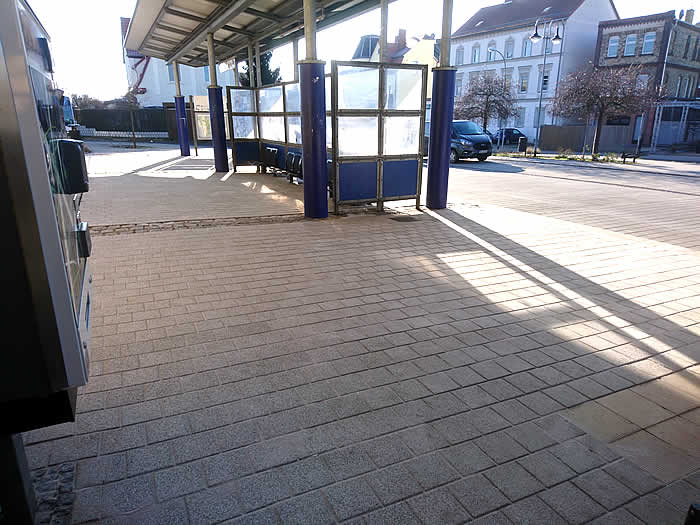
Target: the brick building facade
pixel 644 41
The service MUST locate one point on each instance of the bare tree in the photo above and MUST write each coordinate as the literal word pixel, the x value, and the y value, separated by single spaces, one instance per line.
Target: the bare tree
pixel 600 92
pixel 87 102
pixel 487 96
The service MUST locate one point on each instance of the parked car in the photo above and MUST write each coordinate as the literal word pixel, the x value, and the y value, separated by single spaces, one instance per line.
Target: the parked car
pixel 468 141
pixel 510 135
pixel 491 136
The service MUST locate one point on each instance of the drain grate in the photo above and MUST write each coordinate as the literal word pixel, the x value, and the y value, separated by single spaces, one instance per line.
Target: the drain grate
pixel 404 218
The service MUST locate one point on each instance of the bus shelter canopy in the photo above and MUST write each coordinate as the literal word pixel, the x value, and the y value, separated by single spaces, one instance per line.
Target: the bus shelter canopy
pixel 176 30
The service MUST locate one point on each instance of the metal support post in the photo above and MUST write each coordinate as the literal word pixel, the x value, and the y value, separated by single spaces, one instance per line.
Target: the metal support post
pixel 310 28
pixel 446 33
pixel 236 77
pixel 295 52
pixel 441 118
pixel 258 67
pixel 682 124
pixel 384 9
pixel 17 500
pixel 194 125
pixel 312 87
pixel 180 115
pixel 658 115
pixel 216 113
pixel 251 77
pixel 544 70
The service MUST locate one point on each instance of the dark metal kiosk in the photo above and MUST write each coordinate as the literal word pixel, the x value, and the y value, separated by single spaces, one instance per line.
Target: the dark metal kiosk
pixel 45 309
pixel 365 118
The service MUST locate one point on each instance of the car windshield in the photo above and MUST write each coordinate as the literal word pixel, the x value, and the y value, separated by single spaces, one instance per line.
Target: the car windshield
pixel 467 128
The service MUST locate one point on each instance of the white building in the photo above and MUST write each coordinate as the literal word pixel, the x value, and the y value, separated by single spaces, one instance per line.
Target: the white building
pixel 155 80
pixel 507 28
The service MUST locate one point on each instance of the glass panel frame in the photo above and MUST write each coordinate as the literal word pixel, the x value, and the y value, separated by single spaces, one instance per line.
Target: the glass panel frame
pixel 358 136
pixel 401 135
pixel 270 100
pixel 358 88
pixel 272 128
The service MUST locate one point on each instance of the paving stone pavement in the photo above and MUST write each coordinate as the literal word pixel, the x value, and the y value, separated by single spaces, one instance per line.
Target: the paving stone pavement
pixel 370 370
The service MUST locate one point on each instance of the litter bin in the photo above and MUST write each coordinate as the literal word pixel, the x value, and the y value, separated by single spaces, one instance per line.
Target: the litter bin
pixel 522 144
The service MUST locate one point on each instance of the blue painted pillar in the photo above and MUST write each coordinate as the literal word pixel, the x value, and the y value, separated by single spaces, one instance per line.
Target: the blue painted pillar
pixel 182 133
pixel 218 129
pixel 312 85
pixel 440 136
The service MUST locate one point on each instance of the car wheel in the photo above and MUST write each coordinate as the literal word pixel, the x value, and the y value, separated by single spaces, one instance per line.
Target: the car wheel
pixel 482 158
pixel 453 156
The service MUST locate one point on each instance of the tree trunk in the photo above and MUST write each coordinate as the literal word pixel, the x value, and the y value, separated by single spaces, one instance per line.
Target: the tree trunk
pixel 598 127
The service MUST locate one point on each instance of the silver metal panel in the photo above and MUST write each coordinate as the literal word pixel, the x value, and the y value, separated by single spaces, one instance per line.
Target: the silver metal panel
pixel 24 157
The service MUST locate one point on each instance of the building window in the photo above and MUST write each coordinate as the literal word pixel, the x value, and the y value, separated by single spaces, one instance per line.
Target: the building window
pixel 544 81
pixel 536 119
pixel 527 47
pixel 458 85
pixel 630 44
pixel 491 53
pixel 510 47
pixel 459 58
pixel 476 50
pixel 613 44
pixel 649 41
pixel 678 86
pixel 687 47
pixel 519 119
pixel 642 82
pixel 524 80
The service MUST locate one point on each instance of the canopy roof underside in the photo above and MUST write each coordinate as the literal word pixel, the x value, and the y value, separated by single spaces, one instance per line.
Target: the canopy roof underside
pixel 176 30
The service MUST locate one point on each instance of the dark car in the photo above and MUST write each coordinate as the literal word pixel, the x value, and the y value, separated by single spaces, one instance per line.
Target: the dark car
pixel 510 135
pixel 468 141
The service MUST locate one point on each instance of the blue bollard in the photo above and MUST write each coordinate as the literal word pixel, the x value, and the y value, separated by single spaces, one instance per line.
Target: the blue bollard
pixel 440 136
pixel 181 120
pixel 218 129
pixel 312 85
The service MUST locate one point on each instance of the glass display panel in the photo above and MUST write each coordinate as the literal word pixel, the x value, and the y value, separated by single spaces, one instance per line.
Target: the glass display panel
pixel 294 129
pixel 403 89
pixel 270 100
pixel 357 136
pixel 243 101
pixel 203 125
pixel 244 127
pixel 51 120
pixel 203 122
pixel 272 128
pixel 329 132
pixel 358 87
pixel 401 135
pixel 293 98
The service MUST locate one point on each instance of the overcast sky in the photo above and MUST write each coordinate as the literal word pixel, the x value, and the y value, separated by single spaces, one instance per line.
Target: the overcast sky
pixel 86 38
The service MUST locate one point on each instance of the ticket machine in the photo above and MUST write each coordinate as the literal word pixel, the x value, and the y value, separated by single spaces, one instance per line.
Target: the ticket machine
pixel 45 278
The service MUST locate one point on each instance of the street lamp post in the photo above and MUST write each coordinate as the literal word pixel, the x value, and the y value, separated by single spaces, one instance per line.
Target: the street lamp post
pixel 534 38
pixel 503 131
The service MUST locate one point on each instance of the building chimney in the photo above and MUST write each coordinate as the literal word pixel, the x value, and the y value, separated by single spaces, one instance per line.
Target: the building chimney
pixel 401 39
pixel 689 14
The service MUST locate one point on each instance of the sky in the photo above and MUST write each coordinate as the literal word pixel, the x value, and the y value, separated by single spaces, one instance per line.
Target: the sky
pixel 86 37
